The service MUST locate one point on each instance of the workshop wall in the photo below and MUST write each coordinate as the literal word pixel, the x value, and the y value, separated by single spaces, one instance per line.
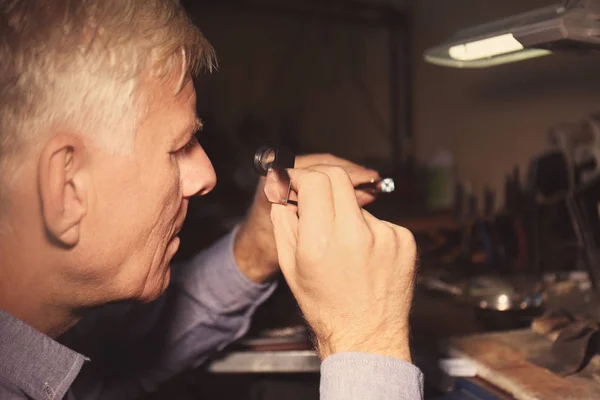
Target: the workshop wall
pixel 326 86
pixel 322 85
pixel 492 119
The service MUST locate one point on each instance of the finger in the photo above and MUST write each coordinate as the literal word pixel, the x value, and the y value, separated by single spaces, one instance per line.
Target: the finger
pixel 277 186
pixel 341 191
pixel 404 239
pixel 359 175
pixel 381 230
pixel 364 198
pixel 344 196
pixel 374 222
pixel 316 211
pixel 306 161
pixel 285 230
pixel 369 219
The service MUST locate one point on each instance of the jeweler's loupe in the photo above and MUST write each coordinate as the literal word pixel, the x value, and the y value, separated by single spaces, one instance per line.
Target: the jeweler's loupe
pixel 266 158
pixel 273 163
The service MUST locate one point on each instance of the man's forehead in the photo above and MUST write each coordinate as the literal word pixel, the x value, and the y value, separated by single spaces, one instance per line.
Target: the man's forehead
pixel 169 116
pixel 162 95
pixel 186 99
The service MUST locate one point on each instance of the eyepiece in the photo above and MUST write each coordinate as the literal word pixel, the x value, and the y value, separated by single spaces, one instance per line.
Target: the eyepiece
pixel 267 157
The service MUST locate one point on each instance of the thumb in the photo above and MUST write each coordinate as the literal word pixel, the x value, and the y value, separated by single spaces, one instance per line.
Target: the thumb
pixel 285 230
pixel 364 198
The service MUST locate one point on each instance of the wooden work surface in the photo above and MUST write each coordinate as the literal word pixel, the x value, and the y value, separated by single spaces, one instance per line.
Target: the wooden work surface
pixel 502 360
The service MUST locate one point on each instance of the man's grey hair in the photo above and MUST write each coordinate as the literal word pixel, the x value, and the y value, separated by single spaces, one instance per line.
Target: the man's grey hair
pixel 76 65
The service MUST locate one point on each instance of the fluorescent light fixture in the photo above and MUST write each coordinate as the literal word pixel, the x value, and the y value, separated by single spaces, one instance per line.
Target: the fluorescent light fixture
pixel 572 25
pixel 485 48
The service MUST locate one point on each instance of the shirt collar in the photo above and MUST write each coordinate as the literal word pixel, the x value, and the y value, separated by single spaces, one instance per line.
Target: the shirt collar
pixel 35 363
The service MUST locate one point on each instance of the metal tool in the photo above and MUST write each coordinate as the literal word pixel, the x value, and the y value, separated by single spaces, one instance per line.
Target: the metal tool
pixel 274 163
pixel 385 185
pixel 269 158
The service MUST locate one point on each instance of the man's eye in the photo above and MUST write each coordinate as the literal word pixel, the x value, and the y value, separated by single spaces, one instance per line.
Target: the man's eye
pixel 189 145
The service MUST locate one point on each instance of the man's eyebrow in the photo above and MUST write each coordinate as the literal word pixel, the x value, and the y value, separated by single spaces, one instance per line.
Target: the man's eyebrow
pixel 196 126
pixel 189 132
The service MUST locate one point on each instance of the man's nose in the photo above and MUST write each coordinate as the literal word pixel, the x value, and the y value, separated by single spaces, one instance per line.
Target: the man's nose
pixel 197 173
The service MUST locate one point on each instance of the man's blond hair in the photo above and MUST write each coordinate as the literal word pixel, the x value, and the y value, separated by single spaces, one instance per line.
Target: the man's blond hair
pixel 76 65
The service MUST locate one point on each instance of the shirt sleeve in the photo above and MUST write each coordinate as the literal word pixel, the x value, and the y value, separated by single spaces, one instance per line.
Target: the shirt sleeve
pixel 351 376
pixel 208 305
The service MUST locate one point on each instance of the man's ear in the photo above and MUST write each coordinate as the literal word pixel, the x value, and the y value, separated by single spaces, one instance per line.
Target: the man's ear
pixel 62 188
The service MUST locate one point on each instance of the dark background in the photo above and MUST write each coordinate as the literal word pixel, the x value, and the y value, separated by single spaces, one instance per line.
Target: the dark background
pixel 348 77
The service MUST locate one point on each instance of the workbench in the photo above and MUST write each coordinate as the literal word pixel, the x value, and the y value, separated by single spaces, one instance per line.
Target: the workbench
pixel 504 360
pixel 265 362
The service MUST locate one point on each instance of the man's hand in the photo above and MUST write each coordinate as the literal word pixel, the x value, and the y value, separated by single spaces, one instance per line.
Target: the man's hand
pixel 351 273
pixel 254 247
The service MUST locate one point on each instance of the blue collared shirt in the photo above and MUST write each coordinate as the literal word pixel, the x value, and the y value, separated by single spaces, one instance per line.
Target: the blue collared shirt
pixel 133 349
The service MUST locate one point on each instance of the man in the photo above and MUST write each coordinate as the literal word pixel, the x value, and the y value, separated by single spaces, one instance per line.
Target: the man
pixel 98 163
